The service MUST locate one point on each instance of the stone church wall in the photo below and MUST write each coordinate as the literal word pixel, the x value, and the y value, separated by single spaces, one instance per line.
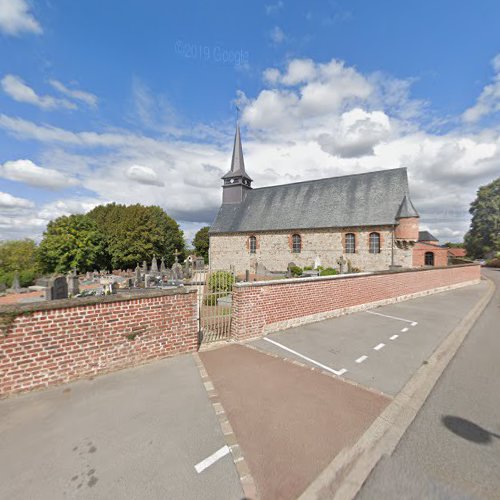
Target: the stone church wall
pixel 274 250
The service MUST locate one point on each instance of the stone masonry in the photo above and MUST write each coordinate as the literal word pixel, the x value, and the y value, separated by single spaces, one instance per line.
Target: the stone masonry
pixel 274 250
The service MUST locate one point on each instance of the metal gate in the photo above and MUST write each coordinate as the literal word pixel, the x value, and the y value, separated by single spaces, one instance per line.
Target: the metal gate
pixel 215 305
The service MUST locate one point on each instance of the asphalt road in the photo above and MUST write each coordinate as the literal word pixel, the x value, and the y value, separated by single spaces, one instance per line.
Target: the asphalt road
pixel 133 434
pixel 452 448
pixel 380 349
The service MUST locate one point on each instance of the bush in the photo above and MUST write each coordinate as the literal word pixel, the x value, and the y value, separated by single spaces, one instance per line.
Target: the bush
pixel 221 281
pixel 296 271
pixel 308 268
pixel 493 262
pixel 329 271
pixel 210 299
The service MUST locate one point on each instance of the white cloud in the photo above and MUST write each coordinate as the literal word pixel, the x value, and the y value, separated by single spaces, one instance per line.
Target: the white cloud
pixel 16 18
pixel 274 7
pixel 143 175
pixel 488 101
pixel 357 134
pixel 313 120
pixel 28 172
pixel 15 87
pixel 277 35
pixel 7 201
pixel 79 95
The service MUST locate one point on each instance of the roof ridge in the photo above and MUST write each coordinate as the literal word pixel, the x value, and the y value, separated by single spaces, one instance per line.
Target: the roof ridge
pixel 328 178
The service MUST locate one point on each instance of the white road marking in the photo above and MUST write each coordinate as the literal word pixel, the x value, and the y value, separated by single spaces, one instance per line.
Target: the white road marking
pixel 394 337
pixel 200 467
pixel 378 347
pixel 405 329
pixel 361 359
pixel 413 323
pixel 327 368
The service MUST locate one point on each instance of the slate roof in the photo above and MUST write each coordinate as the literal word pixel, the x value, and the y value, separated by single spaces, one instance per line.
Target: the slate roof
pixel 237 161
pixel 426 236
pixel 367 199
pixel 406 209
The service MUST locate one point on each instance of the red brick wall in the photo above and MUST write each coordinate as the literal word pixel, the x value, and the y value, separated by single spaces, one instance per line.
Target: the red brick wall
pixel 407 229
pixel 256 306
pixel 440 254
pixel 64 342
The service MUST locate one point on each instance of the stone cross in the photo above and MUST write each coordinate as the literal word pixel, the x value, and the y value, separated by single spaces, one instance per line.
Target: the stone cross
pixel 137 276
pixel 154 265
pixel 176 254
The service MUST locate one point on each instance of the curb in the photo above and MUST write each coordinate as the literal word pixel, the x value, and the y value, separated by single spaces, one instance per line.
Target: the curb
pixel 246 479
pixel 346 474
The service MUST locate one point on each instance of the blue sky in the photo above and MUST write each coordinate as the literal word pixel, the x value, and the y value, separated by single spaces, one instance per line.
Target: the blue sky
pixel 134 101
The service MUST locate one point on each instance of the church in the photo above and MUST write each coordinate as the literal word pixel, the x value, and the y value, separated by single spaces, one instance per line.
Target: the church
pixel 366 219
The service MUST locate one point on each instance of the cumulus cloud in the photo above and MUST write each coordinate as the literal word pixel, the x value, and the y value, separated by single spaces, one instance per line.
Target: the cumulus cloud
pixel 17 89
pixel 79 95
pixel 16 18
pixel 357 134
pixel 143 175
pixel 277 35
pixel 7 201
pixel 488 101
pixel 312 120
pixel 28 172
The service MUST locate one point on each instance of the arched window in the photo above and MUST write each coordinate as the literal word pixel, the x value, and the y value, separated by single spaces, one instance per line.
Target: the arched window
pixel 374 243
pixel 252 244
pixel 296 243
pixel 350 243
pixel 429 258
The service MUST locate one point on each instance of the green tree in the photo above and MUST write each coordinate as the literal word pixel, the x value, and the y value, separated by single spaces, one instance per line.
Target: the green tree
pixel 449 244
pixel 201 243
pixel 72 241
pixel 483 236
pixel 136 232
pixel 18 255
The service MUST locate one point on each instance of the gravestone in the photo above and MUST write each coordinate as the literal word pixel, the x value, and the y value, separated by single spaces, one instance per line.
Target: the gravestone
pixel 137 277
pixel 57 288
pixel 342 264
pixel 73 283
pixel 163 268
pixel 144 267
pixel 15 282
pixel 199 263
pixel 154 265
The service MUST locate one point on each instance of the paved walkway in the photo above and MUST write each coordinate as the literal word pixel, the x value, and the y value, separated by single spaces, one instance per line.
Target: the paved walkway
pixel 290 421
pixel 452 449
pixel 133 434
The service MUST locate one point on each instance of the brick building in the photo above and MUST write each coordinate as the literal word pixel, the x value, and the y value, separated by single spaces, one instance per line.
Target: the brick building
pixel 366 218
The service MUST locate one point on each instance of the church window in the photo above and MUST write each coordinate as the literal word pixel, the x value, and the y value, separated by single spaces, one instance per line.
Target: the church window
pixel 374 243
pixel 350 243
pixel 429 258
pixel 296 243
pixel 252 244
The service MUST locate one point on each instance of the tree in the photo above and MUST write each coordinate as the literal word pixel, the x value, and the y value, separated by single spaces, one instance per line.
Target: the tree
pixel 18 255
pixel 450 244
pixel 72 241
pixel 136 232
pixel 483 236
pixel 201 243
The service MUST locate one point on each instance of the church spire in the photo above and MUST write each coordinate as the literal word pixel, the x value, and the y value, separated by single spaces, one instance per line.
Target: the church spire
pixel 236 182
pixel 237 161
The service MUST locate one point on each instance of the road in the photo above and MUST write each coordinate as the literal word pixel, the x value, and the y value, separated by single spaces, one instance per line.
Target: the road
pixel 132 434
pixel 452 448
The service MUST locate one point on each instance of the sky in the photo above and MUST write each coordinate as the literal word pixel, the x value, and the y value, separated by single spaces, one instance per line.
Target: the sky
pixel 134 101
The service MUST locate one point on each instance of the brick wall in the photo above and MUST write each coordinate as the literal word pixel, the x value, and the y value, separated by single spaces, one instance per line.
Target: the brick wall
pixel 420 249
pixel 263 307
pixel 63 340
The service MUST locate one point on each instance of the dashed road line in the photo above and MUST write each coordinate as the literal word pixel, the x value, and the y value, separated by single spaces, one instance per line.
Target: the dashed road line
pixel 361 359
pixel 413 323
pixel 327 368
pixel 378 347
pixel 207 462
pixel 394 337
pixel 405 329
